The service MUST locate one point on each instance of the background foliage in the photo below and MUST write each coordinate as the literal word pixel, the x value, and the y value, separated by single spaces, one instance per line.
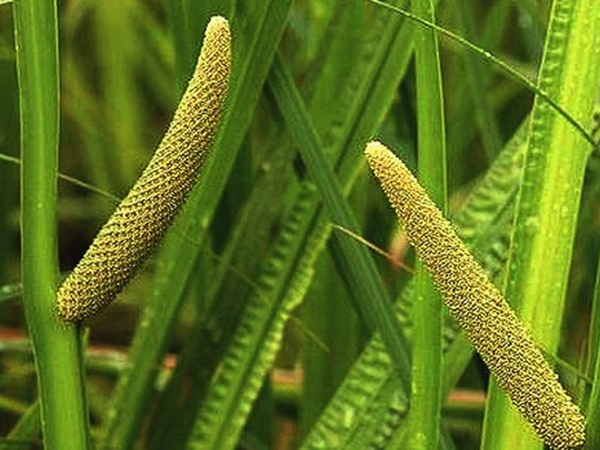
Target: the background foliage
pixel 253 325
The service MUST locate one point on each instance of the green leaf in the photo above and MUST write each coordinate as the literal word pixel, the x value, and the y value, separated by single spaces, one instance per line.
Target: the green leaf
pixel 222 291
pixel 426 396
pixel 280 288
pixel 371 298
pixel 212 422
pixel 549 197
pixel 363 108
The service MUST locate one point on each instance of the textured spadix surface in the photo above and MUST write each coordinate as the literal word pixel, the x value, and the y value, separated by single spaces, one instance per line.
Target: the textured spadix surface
pixel 142 218
pixel 494 329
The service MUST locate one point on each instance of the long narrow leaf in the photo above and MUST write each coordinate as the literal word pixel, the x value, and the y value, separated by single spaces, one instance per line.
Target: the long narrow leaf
pixel 364 109
pixel 548 204
pixel 226 289
pixel 371 297
pixel 259 334
pixel 426 396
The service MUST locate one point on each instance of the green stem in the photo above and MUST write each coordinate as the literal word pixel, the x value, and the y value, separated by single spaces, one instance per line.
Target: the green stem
pixel 56 345
pixel 426 399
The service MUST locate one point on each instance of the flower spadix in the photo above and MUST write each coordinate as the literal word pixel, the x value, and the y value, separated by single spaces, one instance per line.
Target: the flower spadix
pixel 142 218
pixel 497 334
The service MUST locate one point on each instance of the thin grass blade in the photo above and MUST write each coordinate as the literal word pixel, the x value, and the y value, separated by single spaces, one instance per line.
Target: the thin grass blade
pixel 372 300
pixel 426 396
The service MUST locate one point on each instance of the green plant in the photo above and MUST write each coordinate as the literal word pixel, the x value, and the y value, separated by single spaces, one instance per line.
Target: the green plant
pixel 263 320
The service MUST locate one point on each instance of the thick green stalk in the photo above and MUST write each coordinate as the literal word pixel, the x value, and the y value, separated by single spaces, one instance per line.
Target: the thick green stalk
pixel 56 345
pixel 426 396
pixel 548 202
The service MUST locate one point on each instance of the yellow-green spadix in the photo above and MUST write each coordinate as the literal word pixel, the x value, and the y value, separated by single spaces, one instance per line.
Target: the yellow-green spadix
pixel 494 329
pixel 142 218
